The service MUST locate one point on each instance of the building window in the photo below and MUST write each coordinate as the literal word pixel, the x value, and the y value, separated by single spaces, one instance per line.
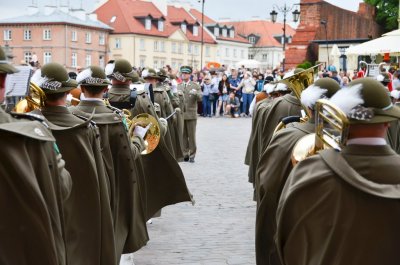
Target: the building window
pixel 88 37
pixel 74 36
pixel 252 40
pixel 218 52
pixel 251 56
pixel 227 52
pixel 117 43
pixel 183 27
pixel 74 59
pixel 156 46
pixel 174 64
pixel 155 64
pixel 112 20
pixel 101 61
pixel 216 31
pixel 195 30
pixel 265 56
pixel 7 34
pixel 88 60
pixel 47 34
pixel 147 23
pixel 232 33
pixel 196 50
pixel 180 48
pixel 142 61
pixel 190 48
pixel 142 46
pixel 27 34
pixel 102 39
pixel 224 33
pixel 46 57
pixel 27 57
pixel 162 46
pixel 208 51
pixel 242 54
pixel 162 63
pixel 234 53
pixel 173 47
pixel 161 25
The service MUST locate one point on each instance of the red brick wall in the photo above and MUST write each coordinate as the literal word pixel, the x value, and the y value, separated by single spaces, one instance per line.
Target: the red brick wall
pixel 342 24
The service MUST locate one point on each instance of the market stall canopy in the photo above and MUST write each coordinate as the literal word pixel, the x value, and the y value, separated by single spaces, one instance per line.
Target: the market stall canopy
pixel 248 64
pixel 388 43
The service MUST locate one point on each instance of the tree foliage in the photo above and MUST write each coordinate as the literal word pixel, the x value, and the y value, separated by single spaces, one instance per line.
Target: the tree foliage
pixel 387 12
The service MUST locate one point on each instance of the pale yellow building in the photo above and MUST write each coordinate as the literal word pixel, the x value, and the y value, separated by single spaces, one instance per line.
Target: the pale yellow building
pixel 152 36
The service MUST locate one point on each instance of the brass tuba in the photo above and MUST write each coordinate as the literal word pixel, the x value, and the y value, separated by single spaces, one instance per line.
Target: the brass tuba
pixel 331 131
pixel 34 100
pixel 299 82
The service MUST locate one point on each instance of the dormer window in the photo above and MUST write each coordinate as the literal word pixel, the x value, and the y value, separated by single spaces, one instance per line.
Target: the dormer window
pixel 183 27
pixel 147 23
pixel 232 33
pixel 161 25
pixel 216 31
pixel 224 33
pixel 195 30
pixel 252 40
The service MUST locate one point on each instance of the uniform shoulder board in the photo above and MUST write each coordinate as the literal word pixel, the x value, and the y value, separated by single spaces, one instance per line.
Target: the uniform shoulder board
pixel 30 116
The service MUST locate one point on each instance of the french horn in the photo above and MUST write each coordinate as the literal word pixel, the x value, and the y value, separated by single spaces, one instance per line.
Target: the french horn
pixel 153 135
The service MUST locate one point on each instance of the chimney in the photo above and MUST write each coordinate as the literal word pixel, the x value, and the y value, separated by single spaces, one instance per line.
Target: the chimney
pixel 162 6
pixel 79 13
pixel 48 10
pixel 32 10
pixel 93 16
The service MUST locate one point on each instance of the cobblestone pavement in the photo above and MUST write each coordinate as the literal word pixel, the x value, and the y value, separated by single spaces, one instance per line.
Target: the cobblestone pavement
pixel 219 229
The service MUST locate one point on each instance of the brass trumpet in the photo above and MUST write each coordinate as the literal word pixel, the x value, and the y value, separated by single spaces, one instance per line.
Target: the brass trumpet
pixel 331 131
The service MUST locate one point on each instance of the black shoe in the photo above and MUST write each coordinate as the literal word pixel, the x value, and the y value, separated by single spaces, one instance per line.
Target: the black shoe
pixel 186 159
pixel 191 160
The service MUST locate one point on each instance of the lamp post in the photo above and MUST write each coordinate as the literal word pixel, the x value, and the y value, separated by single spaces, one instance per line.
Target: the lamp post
pixel 202 33
pixel 325 23
pixel 285 10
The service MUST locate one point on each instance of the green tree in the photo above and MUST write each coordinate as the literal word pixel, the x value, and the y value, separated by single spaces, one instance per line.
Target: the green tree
pixel 387 12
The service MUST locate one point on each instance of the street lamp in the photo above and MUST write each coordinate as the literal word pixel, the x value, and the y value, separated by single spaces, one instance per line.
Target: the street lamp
pixel 202 33
pixel 285 10
pixel 325 23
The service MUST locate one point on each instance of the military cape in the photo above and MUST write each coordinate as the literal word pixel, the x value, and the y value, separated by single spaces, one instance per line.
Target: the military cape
pixel 164 179
pixel 338 208
pixel 88 220
pixel 273 169
pixel 33 186
pixel 119 156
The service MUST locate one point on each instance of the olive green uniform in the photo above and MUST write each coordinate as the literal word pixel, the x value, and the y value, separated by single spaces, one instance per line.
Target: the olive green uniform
pixel 119 154
pixel 192 94
pixel 164 179
pixel 33 186
pixel 253 149
pixel 161 97
pixel 273 169
pixel 88 218
pixel 338 208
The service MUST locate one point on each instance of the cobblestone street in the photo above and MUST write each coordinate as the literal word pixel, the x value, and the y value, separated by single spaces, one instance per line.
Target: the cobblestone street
pixel 219 229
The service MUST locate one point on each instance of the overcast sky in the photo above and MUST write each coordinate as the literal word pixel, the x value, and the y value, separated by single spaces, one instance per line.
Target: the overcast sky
pixel 216 9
